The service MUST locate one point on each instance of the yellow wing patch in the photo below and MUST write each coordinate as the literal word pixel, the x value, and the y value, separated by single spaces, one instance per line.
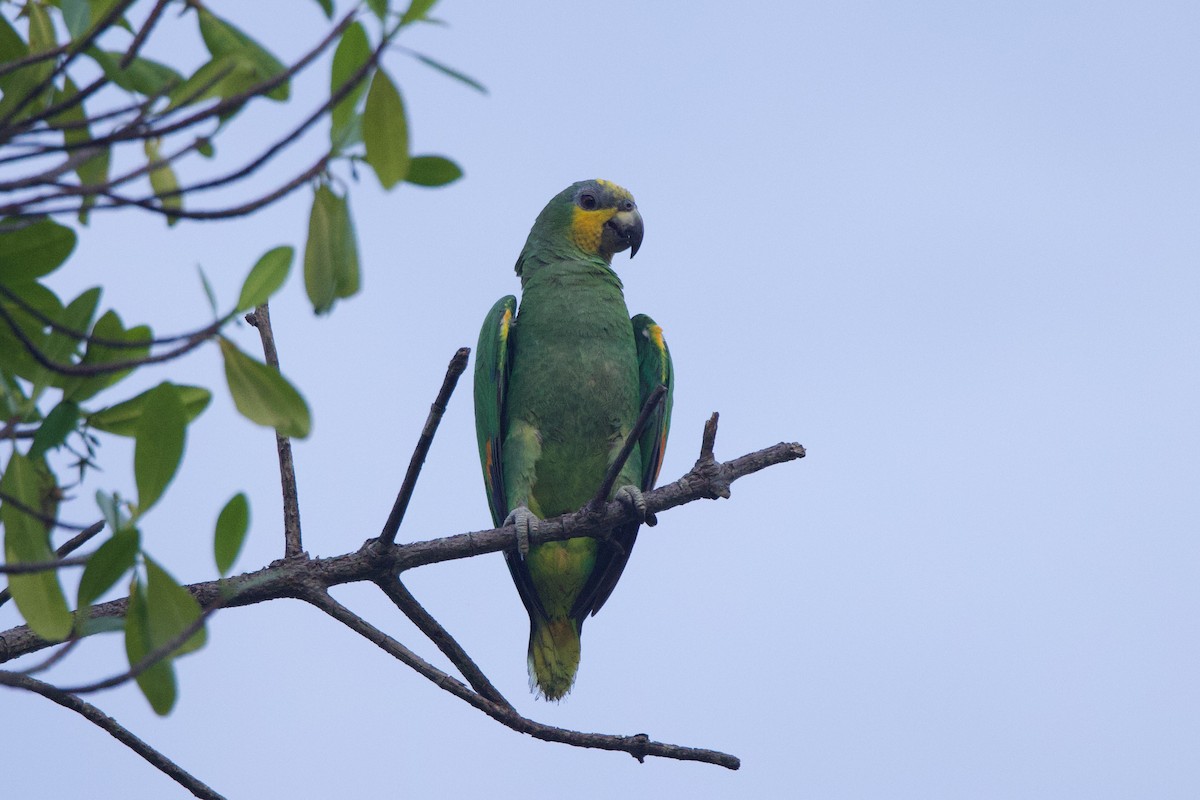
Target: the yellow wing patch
pixel 655 334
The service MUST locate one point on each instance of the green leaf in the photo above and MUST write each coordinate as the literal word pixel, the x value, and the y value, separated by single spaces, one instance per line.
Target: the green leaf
pixel 106 566
pixel 31 251
pixel 232 525
pixel 143 75
pixel 433 171
pixel 163 180
pixel 208 291
pixel 59 424
pixel 123 418
pixel 172 608
pixel 331 253
pixel 73 122
pixel 352 52
pixel 158 681
pixel 93 625
pixel 385 131
pixel 417 11
pixel 110 507
pixel 161 433
pixel 222 38
pixel 38 595
pixel 77 15
pixel 327 7
pixel 264 396
pixel 107 327
pixel 266 277
pixel 380 7
pixel 226 76
pixel 450 72
pixel 62 347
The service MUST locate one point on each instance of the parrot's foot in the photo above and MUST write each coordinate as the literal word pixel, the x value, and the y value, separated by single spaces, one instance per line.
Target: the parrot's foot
pixel 526 523
pixel 632 497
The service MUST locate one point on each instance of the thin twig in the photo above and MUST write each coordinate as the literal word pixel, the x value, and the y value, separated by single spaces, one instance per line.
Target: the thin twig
pixel 457 365
pixel 29 567
pixel 66 548
pixel 88 370
pixel 101 340
pixel 639 746
pixel 395 589
pixel 260 318
pixel 115 729
pixel 614 469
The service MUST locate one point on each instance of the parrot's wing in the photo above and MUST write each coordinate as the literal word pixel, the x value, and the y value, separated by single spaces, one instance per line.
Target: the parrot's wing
pixel 491 383
pixel 654 370
pixel 492 368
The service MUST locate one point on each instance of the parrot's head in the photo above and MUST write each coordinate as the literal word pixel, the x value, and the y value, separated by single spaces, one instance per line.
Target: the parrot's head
pixel 597 217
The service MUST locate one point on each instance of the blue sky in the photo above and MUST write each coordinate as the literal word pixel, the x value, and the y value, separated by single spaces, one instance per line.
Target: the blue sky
pixel 951 248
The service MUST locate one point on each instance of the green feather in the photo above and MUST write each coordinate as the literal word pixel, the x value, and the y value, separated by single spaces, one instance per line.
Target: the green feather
pixel 557 391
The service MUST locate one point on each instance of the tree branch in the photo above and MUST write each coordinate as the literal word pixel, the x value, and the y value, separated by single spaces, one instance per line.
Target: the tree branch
pixel 614 469
pixel 118 732
pixel 260 318
pixel 294 578
pixel 457 365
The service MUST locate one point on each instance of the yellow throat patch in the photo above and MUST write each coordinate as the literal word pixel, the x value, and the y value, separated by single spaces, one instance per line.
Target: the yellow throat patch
pixel 587 226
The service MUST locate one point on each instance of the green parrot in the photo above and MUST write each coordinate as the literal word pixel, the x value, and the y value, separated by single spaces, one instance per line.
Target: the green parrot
pixel 558 388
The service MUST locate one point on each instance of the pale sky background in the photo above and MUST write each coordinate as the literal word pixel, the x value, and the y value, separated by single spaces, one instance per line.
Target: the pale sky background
pixel 951 248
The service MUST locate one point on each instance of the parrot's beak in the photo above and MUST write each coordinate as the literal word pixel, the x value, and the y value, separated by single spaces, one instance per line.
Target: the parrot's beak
pixel 623 231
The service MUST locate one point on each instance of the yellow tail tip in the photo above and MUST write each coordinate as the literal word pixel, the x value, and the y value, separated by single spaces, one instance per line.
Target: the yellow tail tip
pixel 553 657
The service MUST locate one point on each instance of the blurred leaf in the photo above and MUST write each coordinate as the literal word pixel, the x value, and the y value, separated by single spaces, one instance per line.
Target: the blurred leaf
pixel 232 525
pixel 385 131
pixel 352 52
pixel 208 291
pixel 327 7
pixel 122 419
pixel 38 595
pixel 331 253
pixel 90 626
pixel 55 429
pixel 380 7
pixel 109 326
pixel 417 11
pixel 163 180
pixel 106 566
pixel 172 608
pixel 110 508
pixel 266 277
pixel 161 434
pixel 264 396
pixel 32 251
pixel 222 38
pixel 433 171
pixel 157 682
pixel 225 76
pixel 449 72
pixel 204 147
pixel 143 75
pixel 73 122
pixel 62 347
pixel 77 15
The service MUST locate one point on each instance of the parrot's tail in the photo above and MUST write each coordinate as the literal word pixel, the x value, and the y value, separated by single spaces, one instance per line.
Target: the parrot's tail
pixel 553 656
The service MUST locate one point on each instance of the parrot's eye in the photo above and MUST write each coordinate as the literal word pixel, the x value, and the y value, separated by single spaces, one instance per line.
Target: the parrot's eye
pixel 627 205
pixel 587 201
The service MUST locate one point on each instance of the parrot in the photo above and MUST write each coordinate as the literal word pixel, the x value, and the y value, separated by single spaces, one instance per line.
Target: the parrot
pixel 559 386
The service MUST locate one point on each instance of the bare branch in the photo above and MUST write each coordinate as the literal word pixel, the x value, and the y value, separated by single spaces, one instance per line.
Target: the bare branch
pixel 457 365
pixel 639 746
pixel 295 577
pixel 394 588
pixel 260 318
pixel 118 732
pixel 614 469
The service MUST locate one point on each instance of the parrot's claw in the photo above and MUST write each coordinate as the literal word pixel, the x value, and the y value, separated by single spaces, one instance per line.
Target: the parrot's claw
pixel 632 497
pixel 526 523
